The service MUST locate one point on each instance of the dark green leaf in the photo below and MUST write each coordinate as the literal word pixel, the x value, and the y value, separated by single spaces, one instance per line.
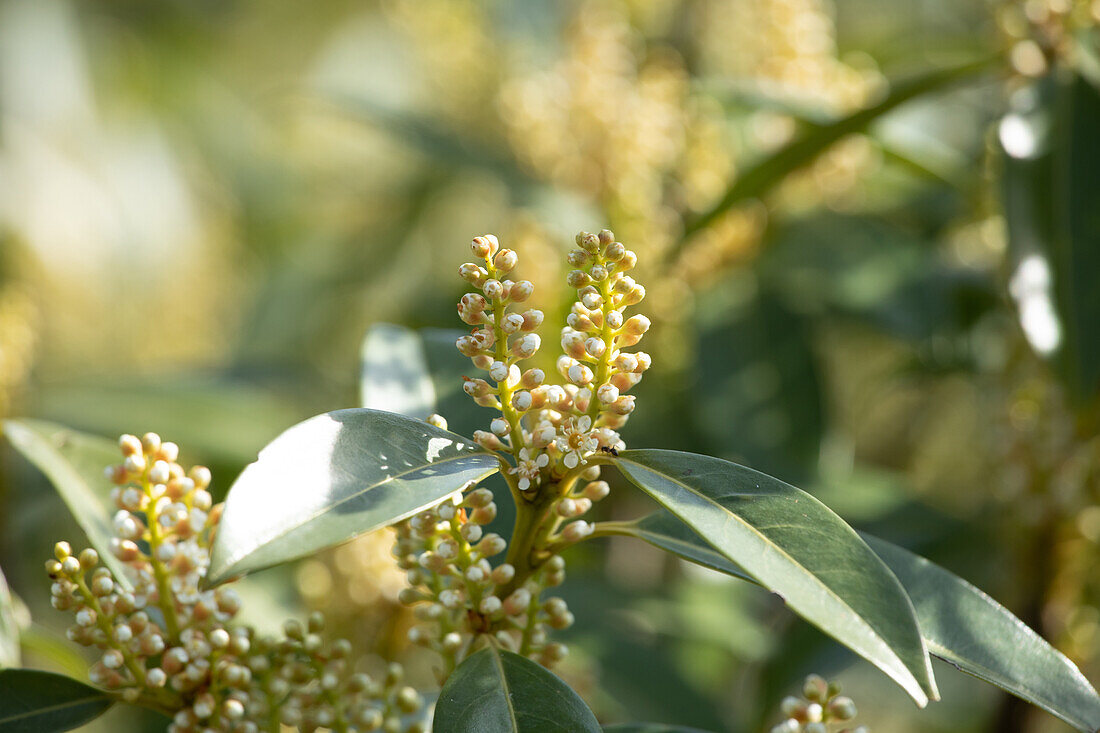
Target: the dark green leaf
pixel 495 691
pixel 797 547
pixel 394 372
pixel 1052 209
pixel 336 476
pixel 41 702
pixel 761 178
pixel 9 627
pixel 960 624
pixel 968 629
pixel 74 463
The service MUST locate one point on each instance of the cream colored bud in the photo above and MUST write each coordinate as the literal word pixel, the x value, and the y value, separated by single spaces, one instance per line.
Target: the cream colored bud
pixel 595 347
pixel 482 361
pixel 576 531
pixel 577 258
pixel 129 445
pixel 522 400
pixel 492 544
pixel 490 605
pixel 614 251
pixel 500 426
pixel 577 278
pixel 487 440
pixel 522 290
pixel 606 236
pixel 493 289
pixel 70 566
pixel 526 346
pixel 168 452
pixel 532 319
pixel 201 476
pixel 597 490
pixel 511 323
pixel 150 443
pixel 598 273
pixel 473 274
pixel 566 508
pixel 842 708
pixel 438 421
pixel 644 362
pixel 484 246
pixel 579 374
pixel 484 515
pixel 628 261
pixel 532 378
pixel 134 463
pixel 623 406
pixel 518 602
pixel 499 371
pixel 591 300
pixel 158 474
pixel 590 242
pixel 62 550
pixel 637 325
pixel 89 558
pixel 506 260
pixel 614 320
pixel 607 393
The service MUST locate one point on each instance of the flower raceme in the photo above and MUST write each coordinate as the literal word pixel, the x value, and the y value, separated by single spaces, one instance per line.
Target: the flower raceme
pixel 168 645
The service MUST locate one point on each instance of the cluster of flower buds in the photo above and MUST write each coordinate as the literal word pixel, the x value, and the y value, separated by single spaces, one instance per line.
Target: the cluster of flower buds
pixel 553 429
pixel 171 646
pixel 820 709
pixel 459 596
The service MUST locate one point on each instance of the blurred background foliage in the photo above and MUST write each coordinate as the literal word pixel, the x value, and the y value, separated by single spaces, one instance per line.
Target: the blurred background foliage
pixel 868 231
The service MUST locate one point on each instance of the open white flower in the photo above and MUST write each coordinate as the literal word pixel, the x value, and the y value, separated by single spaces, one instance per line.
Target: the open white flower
pixel 528 468
pixel 576 440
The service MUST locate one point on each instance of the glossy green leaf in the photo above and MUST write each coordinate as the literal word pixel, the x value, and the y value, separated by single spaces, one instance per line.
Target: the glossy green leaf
pixel 74 464
pixel 797 547
pixel 394 372
pixel 960 624
pixel 336 476
pixel 9 627
pixel 495 691
pixel 1050 199
pixel 32 701
pixel 968 629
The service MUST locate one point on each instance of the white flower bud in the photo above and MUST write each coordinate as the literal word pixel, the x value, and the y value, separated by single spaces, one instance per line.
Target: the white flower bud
pixel 597 490
pixel 498 372
pixel 503 574
pixel 591 300
pixel 86 617
pixel 500 426
pixel 451 642
pixel 150 443
pixel 595 347
pixel 122 633
pixel 566 508
pixel 493 289
pixel 518 602
pixel 598 273
pixel 579 374
pixel 525 347
pixel 489 605
pixel 134 463
pixel 156 677
pixel 129 445
pixel 576 531
pixel 219 638
pixel 511 323
pixel 522 400
pixel 112 659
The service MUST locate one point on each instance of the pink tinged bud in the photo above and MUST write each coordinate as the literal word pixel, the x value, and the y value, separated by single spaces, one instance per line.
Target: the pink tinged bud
pixel 532 319
pixel 637 325
pixel 471 532
pixel 492 544
pixel 624 405
pixel 502 574
pixel 467 345
pixel 525 347
pixel 484 247
pixel 577 257
pixel 576 531
pixel 483 361
pixel 511 323
pixel 595 347
pixel 532 378
pixel 584 505
pixel 506 260
pixel 484 515
pixel 577 278
pixel 624 285
pixel 522 290
pixel 487 440
pixel 635 296
pixel 644 362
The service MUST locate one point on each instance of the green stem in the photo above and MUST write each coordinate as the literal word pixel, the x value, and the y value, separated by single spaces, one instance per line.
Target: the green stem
pixel 165 599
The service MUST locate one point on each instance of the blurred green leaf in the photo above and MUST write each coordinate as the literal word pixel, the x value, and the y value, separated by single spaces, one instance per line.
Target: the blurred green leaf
pixel 649 728
pixel 32 701
pixel 74 464
pixel 51 649
pixel 960 624
pixel 394 372
pixel 968 629
pixel 333 477
pixel 797 547
pixel 9 627
pixel 1052 208
pixel 495 691
pixel 762 177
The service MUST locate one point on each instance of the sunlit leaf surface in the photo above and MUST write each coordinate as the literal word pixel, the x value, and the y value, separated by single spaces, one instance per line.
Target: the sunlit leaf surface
pixel 9 627
pixel 336 476
pixel 40 702
pixel 495 691
pixel 74 463
pixel 960 624
pixel 395 374
pixel 797 547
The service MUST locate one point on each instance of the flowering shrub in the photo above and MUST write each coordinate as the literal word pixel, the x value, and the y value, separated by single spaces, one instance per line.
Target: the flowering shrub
pixel 162 616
